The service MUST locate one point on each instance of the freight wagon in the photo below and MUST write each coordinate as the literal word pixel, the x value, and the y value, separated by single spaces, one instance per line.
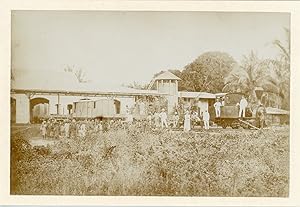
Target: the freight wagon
pixel 101 108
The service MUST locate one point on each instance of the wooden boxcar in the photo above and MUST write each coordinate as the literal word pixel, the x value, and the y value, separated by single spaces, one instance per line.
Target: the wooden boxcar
pixel 101 108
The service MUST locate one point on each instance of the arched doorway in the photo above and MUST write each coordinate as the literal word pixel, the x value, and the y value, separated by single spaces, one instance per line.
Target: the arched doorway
pixel 39 108
pixel 12 110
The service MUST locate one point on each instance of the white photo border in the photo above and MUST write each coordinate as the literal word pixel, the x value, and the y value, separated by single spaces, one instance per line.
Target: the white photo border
pixel 7 6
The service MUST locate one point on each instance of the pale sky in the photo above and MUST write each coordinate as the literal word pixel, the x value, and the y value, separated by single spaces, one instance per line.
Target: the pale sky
pixel 122 47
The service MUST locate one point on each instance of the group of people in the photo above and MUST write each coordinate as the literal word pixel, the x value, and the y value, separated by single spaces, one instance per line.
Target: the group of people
pixel 190 117
pixel 162 120
pixel 156 119
pixel 57 128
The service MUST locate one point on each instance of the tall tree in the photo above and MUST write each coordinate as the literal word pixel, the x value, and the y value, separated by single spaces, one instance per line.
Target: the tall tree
pixel 278 78
pixel 79 73
pixel 207 72
pixel 284 47
pixel 252 73
pixel 280 70
pixel 272 75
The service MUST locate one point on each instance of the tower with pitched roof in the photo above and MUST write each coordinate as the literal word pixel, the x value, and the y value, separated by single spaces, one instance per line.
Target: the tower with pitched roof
pixel 167 83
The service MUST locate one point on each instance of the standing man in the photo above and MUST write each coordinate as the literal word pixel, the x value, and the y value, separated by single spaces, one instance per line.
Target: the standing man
pixel 187 122
pixel 129 116
pixel 156 119
pixel 243 105
pixel 195 118
pixel 127 110
pixel 163 118
pixel 67 129
pixel 149 119
pixel 223 101
pixel 100 127
pixel 73 129
pixel 206 118
pixel 175 119
pixel 82 130
pixel 260 116
pixel 43 129
pixel 217 106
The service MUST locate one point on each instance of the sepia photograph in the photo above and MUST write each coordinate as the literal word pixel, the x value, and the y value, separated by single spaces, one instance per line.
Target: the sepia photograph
pixel 150 103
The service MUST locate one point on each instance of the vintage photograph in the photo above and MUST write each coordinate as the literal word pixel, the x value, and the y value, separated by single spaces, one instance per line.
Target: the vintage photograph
pixel 150 103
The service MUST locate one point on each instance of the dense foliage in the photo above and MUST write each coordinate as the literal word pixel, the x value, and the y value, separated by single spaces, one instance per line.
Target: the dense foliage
pixel 207 72
pixel 217 72
pixel 136 161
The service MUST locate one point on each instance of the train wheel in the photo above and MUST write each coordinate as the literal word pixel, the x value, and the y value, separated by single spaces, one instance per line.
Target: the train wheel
pixel 235 124
pixel 224 124
pixel 245 126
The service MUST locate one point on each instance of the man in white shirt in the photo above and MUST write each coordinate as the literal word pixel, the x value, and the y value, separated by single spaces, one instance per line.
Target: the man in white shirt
pixel 243 105
pixel 175 119
pixel 163 118
pixel 217 106
pixel 82 130
pixel 206 118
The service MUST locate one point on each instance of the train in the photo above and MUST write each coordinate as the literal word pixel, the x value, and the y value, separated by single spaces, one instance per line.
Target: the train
pixel 229 116
pixel 102 108
pixel 109 108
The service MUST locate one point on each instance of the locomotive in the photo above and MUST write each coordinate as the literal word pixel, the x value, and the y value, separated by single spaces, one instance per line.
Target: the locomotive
pixel 229 116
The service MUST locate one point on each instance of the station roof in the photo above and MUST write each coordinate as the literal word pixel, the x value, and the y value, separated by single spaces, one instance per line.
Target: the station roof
pixel 220 94
pixel 40 82
pixel 200 95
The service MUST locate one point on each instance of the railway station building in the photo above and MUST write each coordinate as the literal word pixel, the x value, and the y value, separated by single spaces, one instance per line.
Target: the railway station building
pixel 58 91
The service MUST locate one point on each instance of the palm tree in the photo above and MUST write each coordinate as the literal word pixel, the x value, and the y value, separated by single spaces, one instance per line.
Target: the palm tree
pixel 280 70
pixel 284 47
pixel 272 75
pixel 279 77
pixel 247 77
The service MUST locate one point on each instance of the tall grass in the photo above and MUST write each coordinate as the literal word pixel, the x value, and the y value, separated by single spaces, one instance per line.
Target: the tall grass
pixel 133 162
